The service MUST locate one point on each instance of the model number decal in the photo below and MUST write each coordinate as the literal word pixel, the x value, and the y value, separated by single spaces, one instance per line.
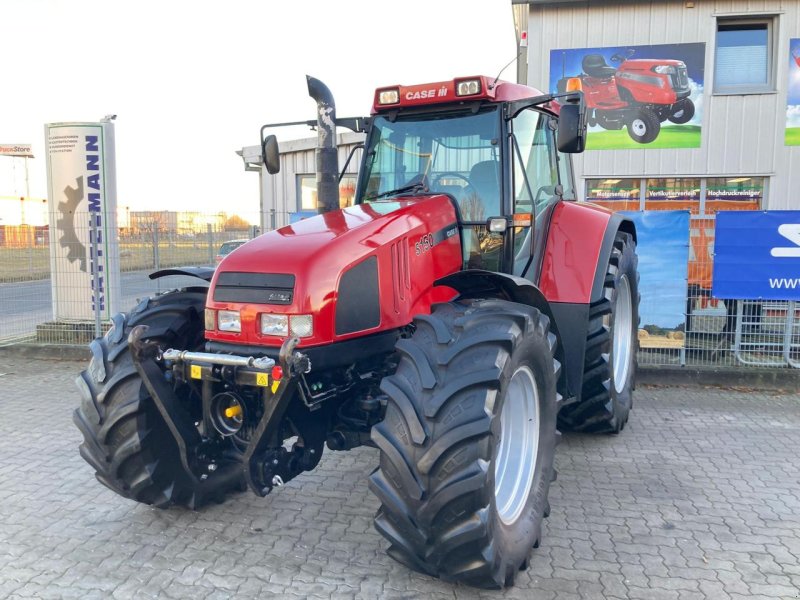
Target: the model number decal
pixel 424 244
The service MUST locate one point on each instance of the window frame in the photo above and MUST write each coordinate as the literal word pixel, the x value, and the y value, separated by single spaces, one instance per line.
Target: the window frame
pixel 770 87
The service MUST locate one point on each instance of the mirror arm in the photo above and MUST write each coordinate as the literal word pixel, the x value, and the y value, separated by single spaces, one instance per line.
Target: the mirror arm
pixel 517 106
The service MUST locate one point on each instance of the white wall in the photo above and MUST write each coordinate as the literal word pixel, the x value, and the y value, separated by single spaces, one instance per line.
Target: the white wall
pixel 742 135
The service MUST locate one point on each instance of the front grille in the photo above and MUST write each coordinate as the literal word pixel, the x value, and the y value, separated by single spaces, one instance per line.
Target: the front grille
pixel 680 80
pixel 254 288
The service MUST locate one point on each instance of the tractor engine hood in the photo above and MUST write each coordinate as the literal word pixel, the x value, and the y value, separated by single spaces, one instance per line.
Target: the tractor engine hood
pixel 357 271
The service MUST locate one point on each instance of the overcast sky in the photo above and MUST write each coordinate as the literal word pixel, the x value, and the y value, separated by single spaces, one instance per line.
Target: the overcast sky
pixel 191 82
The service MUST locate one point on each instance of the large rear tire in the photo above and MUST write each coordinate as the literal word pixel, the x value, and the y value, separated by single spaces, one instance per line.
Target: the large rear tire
pixel 126 440
pixel 610 359
pixel 468 441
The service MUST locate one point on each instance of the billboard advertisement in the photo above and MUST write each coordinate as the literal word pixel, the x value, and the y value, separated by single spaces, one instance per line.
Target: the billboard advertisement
pixel 82 201
pixel 757 255
pixel 793 96
pixel 637 96
pixel 23 150
pixel 663 250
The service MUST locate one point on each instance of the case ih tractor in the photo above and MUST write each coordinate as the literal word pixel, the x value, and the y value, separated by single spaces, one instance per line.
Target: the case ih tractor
pixel 450 318
pixel 639 94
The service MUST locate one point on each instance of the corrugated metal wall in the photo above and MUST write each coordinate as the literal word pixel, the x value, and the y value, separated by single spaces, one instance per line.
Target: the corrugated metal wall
pixel 280 191
pixel 741 134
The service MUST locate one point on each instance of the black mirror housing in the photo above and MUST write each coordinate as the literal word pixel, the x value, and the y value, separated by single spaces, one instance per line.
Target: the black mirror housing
pixel 271 155
pixel 572 128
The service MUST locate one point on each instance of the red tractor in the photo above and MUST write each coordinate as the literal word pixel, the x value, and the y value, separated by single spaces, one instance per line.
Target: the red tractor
pixel 451 318
pixel 639 94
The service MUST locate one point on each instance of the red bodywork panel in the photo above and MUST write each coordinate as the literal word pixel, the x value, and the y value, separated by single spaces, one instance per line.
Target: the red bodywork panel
pixel 603 94
pixel 444 92
pixel 319 250
pixel 573 248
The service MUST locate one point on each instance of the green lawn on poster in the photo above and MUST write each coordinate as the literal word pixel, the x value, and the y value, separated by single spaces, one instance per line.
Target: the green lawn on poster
pixel 683 136
pixel 792 136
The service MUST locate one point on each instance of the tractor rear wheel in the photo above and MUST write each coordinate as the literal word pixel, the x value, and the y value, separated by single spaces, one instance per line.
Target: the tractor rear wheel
pixel 126 440
pixel 468 441
pixel 610 357
pixel 644 126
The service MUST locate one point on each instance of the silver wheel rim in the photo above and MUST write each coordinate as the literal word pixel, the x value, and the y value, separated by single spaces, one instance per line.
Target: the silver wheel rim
pixel 622 335
pixel 638 126
pixel 517 450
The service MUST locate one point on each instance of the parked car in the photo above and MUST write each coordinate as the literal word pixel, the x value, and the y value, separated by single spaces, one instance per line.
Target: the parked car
pixel 228 247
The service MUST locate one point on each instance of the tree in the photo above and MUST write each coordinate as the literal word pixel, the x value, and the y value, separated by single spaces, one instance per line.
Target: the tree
pixel 235 223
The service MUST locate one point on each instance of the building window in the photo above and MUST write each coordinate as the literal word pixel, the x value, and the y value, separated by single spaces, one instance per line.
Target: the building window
pixel 744 56
pixel 307 192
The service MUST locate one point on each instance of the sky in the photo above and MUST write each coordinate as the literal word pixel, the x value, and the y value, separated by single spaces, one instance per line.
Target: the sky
pixel 192 82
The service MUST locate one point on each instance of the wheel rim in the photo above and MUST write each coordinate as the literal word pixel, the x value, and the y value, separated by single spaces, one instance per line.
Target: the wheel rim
pixel 518 448
pixel 623 336
pixel 639 127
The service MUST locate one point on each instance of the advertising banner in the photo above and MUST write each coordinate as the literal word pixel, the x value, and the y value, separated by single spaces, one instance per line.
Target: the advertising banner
pixel 24 150
pixel 82 202
pixel 757 255
pixel 637 96
pixel 663 250
pixel 793 96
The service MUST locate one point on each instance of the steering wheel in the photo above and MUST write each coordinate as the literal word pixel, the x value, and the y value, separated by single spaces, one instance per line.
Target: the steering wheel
pixel 452 174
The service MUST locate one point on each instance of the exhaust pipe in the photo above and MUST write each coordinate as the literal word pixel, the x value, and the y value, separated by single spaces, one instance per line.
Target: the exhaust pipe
pixel 326 154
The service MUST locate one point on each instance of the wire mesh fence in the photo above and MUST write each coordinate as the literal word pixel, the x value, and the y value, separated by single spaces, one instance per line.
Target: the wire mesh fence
pixel 43 305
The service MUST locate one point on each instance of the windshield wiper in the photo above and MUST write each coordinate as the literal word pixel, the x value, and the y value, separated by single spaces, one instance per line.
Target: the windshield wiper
pixel 419 186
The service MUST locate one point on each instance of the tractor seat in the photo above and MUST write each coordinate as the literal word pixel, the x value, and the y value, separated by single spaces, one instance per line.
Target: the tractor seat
pixel 594 65
pixel 484 177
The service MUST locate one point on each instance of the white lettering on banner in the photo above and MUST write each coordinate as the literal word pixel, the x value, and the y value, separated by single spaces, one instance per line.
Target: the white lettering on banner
pixel 791 231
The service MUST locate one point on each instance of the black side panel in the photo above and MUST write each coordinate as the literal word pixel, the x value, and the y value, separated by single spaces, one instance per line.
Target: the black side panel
pixel 572 321
pixel 616 223
pixel 358 299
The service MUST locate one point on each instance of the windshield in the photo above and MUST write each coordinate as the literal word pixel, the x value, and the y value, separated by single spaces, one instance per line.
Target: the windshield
pixel 453 153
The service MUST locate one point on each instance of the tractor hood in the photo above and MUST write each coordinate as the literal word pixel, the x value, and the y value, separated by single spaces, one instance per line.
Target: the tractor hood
pixel 361 269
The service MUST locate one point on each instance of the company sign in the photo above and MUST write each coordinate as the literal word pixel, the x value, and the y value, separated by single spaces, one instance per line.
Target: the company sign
pixel 757 255
pixel 25 150
pixel 84 252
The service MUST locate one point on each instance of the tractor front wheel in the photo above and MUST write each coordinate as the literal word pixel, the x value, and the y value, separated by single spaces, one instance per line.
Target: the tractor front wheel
pixel 683 112
pixel 644 126
pixel 126 440
pixel 468 442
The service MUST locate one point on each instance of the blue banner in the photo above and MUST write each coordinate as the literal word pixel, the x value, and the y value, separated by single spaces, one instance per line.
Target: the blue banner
pixel 757 255
pixel 663 249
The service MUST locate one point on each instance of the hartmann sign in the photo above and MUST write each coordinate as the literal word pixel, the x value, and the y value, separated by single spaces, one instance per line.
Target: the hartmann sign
pixel 757 255
pixel 82 202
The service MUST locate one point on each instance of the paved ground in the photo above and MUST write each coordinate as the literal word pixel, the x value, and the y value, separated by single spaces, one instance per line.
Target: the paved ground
pixel 698 498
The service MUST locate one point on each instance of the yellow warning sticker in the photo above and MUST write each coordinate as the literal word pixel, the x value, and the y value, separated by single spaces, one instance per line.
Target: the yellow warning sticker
pixel 195 372
pixel 275 385
pixel 262 379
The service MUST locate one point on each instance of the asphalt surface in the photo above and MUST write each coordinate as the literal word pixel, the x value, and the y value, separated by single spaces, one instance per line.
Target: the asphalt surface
pixel 698 498
pixel 26 304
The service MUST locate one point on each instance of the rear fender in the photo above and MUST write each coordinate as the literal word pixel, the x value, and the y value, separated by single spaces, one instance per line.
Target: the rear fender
pixel 204 273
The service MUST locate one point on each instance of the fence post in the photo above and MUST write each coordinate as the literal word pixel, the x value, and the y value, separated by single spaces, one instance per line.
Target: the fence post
pixel 210 232
pixel 95 279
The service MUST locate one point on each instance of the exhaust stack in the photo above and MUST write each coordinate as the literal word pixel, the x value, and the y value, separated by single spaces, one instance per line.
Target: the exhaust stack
pixel 326 154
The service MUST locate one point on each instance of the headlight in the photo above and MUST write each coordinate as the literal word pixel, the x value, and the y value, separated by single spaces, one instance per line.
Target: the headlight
pixel 468 87
pixel 274 325
pixel 229 320
pixel 664 69
pixel 211 319
pixel 301 325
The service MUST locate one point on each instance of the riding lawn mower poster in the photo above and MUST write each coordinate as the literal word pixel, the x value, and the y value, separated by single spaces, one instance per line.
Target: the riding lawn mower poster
pixel 637 96
pixel 793 97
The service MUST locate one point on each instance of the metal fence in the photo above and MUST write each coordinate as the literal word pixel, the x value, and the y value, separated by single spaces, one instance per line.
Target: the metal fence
pixel 715 333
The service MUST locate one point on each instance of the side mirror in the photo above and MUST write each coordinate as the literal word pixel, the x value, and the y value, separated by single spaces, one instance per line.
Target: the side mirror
pixel 270 154
pixel 572 128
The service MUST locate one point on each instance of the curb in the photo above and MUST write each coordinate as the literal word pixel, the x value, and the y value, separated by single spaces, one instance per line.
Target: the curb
pixel 759 378
pixel 74 352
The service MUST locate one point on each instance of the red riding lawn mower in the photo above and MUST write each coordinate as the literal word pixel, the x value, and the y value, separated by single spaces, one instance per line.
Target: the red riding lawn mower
pixel 453 318
pixel 639 94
